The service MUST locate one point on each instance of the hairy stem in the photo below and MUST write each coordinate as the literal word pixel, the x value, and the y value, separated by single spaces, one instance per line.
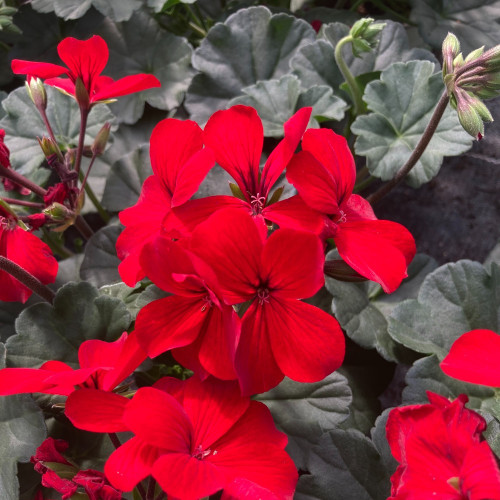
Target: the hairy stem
pixel 27 279
pixel 23 181
pixel 23 203
pixel 354 89
pixel 43 114
pixel 93 198
pixel 417 152
pixel 84 113
pixel 83 228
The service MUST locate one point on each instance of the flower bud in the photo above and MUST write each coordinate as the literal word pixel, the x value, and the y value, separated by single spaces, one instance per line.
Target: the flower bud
pixel 48 147
pixel 36 91
pixel 58 212
pixel 81 94
pixel 474 54
pixel 467 114
pixel 451 49
pixel 364 33
pixel 101 140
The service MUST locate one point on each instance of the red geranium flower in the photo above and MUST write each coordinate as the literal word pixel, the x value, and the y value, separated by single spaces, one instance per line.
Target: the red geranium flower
pixel 68 478
pixel 236 137
pixel 85 59
pixel 195 438
pixel 103 365
pixel 179 165
pixel 195 323
pixel 324 175
pixel 439 448
pixel 28 252
pixel 8 184
pixel 280 335
pixel 474 358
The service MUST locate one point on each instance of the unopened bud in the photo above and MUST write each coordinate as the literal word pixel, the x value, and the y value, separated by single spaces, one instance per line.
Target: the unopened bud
pixel 451 49
pixel 48 147
pixel 81 94
pixel 364 35
pixel 101 140
pixel 474 54
pixel 36 91
pixel 467 114
pixel 341 271
pixel 58 212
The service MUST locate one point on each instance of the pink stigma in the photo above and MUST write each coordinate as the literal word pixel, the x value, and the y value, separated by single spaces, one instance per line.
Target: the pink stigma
pixel 263 295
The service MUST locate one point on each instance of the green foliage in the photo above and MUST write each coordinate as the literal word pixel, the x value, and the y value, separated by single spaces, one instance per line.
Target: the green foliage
pixel 277 100
pixel 249 46
pixel 452 300
pixel 474 22
pixel 79 313
pixel 23 125
pixel 363 309
pixel 402 103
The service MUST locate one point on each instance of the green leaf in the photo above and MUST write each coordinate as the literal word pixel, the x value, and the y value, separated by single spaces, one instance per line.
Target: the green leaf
pixel 100 264
pixel 296 406
pixel 125 179
pixel 23 125
pixel 9 311
pixel 79 313
pixel 474 22
pixel 493 256
pixel 142 46
pixel 117 10
pixel 315 63
pixel 452 300
pixel 344 465
pixel 381 444
pixel 250 45
pixel 277 100
pixel 363 309
pixel 133 298
pixel 402 103
pixel 22 428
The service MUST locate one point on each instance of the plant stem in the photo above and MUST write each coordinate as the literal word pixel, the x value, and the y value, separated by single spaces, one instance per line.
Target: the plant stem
pixel 114 439
pixel 84 113
pixel 417 152
pixel 354 89
pixel 43 114
pixel 83 228
pixel 27 279
pixel 23 181
pixel 23 203
pixel 93 198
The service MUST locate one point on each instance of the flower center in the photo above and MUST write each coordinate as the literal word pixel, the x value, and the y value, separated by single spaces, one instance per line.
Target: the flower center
pixel 263 295
pixel 207 303
pixel 7 224
pixel 257 203
pixel 200 453
pixel 342 217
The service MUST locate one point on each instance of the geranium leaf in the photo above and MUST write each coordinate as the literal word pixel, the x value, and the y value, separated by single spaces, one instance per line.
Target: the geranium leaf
pixel 452 300
pixel 474 22
pixel 79 313
pixel 362 309
pixel 277 100
pixel 344 465
pixel 117 10
pixel 315 63
pixel 9 311
pixel 23 125
pixel 125 179
pixel 22 428
pixel 402 103
pixel 296 406
pixel 100 264
pixel 250 45
pixel 380 442
pixel 130 53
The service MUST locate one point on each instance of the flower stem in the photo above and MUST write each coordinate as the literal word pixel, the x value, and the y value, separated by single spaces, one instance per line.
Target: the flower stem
pixel 43 114
pixel 93 198
pixel 23 181
pixel 27 279
pixel 354 89
pixel 114 439
pixel 23 203
pixel 417 152
pixel 83 228
pixel 84 113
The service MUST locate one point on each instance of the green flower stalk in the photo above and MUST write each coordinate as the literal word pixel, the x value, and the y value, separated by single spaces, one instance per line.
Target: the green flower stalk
pixel 364 37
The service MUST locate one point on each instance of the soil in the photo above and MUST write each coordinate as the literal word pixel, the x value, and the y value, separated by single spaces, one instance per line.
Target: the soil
pixel 456 215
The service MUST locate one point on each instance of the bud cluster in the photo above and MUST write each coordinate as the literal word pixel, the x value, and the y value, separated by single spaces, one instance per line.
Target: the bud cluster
pixel 470 80
pixel 364 35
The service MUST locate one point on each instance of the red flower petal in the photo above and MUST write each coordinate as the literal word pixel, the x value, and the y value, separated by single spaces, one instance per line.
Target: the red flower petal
pixel 307 343
pixel 213 407
pixel 281 155
pixel 357 208
pixel 158 419
pixel 171 322
pixel 23 380
pixel 292 264
pixel 314 183
pixel 473 357
pixel 65 84
pixel 184 477
pixel 124 86
pixel 236 136
pixel 480 477
pixel 85 58
pixel 379 250
pixel 332 151
pixel 38 69
pixel 96 411
pixel 130 464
